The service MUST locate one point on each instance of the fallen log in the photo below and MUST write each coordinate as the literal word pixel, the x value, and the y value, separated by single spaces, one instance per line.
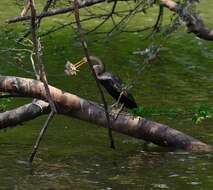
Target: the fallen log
pixel 74 106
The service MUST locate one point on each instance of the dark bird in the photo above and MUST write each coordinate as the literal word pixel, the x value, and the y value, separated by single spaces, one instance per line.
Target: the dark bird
pixel 111 83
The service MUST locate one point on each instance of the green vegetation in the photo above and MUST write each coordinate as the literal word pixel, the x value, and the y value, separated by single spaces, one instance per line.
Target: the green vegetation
pixel 4 104
pixel 75 154
pixel 197 113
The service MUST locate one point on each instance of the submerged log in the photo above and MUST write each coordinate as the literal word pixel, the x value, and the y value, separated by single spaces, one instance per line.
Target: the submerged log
pixel 74 106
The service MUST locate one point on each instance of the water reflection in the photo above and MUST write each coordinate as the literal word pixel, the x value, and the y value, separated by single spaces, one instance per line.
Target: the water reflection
pixel 138 170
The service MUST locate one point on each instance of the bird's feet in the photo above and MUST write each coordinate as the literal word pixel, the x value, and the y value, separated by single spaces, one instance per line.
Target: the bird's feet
pixel 117 111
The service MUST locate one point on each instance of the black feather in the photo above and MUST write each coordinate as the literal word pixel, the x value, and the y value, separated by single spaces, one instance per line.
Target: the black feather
pixel 114 87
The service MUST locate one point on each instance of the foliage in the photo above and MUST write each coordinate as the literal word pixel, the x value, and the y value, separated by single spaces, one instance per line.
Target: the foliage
pixel 197 113
pixel 4 103
pixel 202 113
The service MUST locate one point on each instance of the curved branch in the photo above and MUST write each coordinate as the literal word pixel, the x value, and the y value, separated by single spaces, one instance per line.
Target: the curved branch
pixel 24 113
pixel 71 105
pixel 82 4
pixel 194 24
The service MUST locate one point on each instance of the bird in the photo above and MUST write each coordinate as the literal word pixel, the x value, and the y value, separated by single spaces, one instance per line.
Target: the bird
pixel 113 84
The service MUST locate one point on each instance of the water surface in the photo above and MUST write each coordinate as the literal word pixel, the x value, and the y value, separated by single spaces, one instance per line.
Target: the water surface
pixel 75 154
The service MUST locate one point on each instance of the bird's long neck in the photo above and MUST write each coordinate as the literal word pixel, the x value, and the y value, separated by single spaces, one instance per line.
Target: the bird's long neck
pixel 98 62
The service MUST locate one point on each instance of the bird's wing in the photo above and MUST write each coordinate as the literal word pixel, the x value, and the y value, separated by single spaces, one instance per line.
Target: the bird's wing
pixel 118 84
pixel 114 86
pixel 113 80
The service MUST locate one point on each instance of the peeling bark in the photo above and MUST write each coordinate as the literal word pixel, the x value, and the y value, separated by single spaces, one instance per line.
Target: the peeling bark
pixel 24 113
pixel 71 105
pixel 194 24
pixel 35 89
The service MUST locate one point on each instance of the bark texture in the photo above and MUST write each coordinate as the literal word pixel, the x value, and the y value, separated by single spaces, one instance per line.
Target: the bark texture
pixel 71 105
pixel 24 113
pixel 193 22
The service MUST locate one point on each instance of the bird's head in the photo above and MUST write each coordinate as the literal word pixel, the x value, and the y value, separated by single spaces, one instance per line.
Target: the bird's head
pixel 98 65
pixel 98 69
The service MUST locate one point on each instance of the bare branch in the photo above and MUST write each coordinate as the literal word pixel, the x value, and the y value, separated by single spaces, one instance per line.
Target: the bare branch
pixel 24 113
pixel 45 9
pixel 25 9
pixel 37 49
pixel 86 51
pixel 41 134
pixel 82 4
pixel 193 22
pixel 106 19
pixel 40 74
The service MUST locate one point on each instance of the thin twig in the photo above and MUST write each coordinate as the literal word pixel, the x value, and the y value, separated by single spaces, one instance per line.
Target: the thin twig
pixel 106 19
pixel 55 12
pixel 37 55
pixel 125 18
pixel 57 28
pixel 40 74
pixel 86 51
pixel 41 134
pixel 45 9
pixel 159 19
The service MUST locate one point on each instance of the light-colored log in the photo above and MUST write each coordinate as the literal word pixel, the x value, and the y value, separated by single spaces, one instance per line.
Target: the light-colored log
pixel 74 106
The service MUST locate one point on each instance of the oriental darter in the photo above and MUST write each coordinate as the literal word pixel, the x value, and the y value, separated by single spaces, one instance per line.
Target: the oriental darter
pixel 110 82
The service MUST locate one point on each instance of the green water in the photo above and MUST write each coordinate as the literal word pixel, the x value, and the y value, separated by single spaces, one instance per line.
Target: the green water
pixel 75 154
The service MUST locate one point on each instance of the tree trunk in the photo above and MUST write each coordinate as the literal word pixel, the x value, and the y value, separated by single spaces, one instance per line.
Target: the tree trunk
pixel 71 105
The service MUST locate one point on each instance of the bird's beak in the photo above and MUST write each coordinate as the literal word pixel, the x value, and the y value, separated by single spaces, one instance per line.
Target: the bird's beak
pixel 80 63
pixel 72 69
